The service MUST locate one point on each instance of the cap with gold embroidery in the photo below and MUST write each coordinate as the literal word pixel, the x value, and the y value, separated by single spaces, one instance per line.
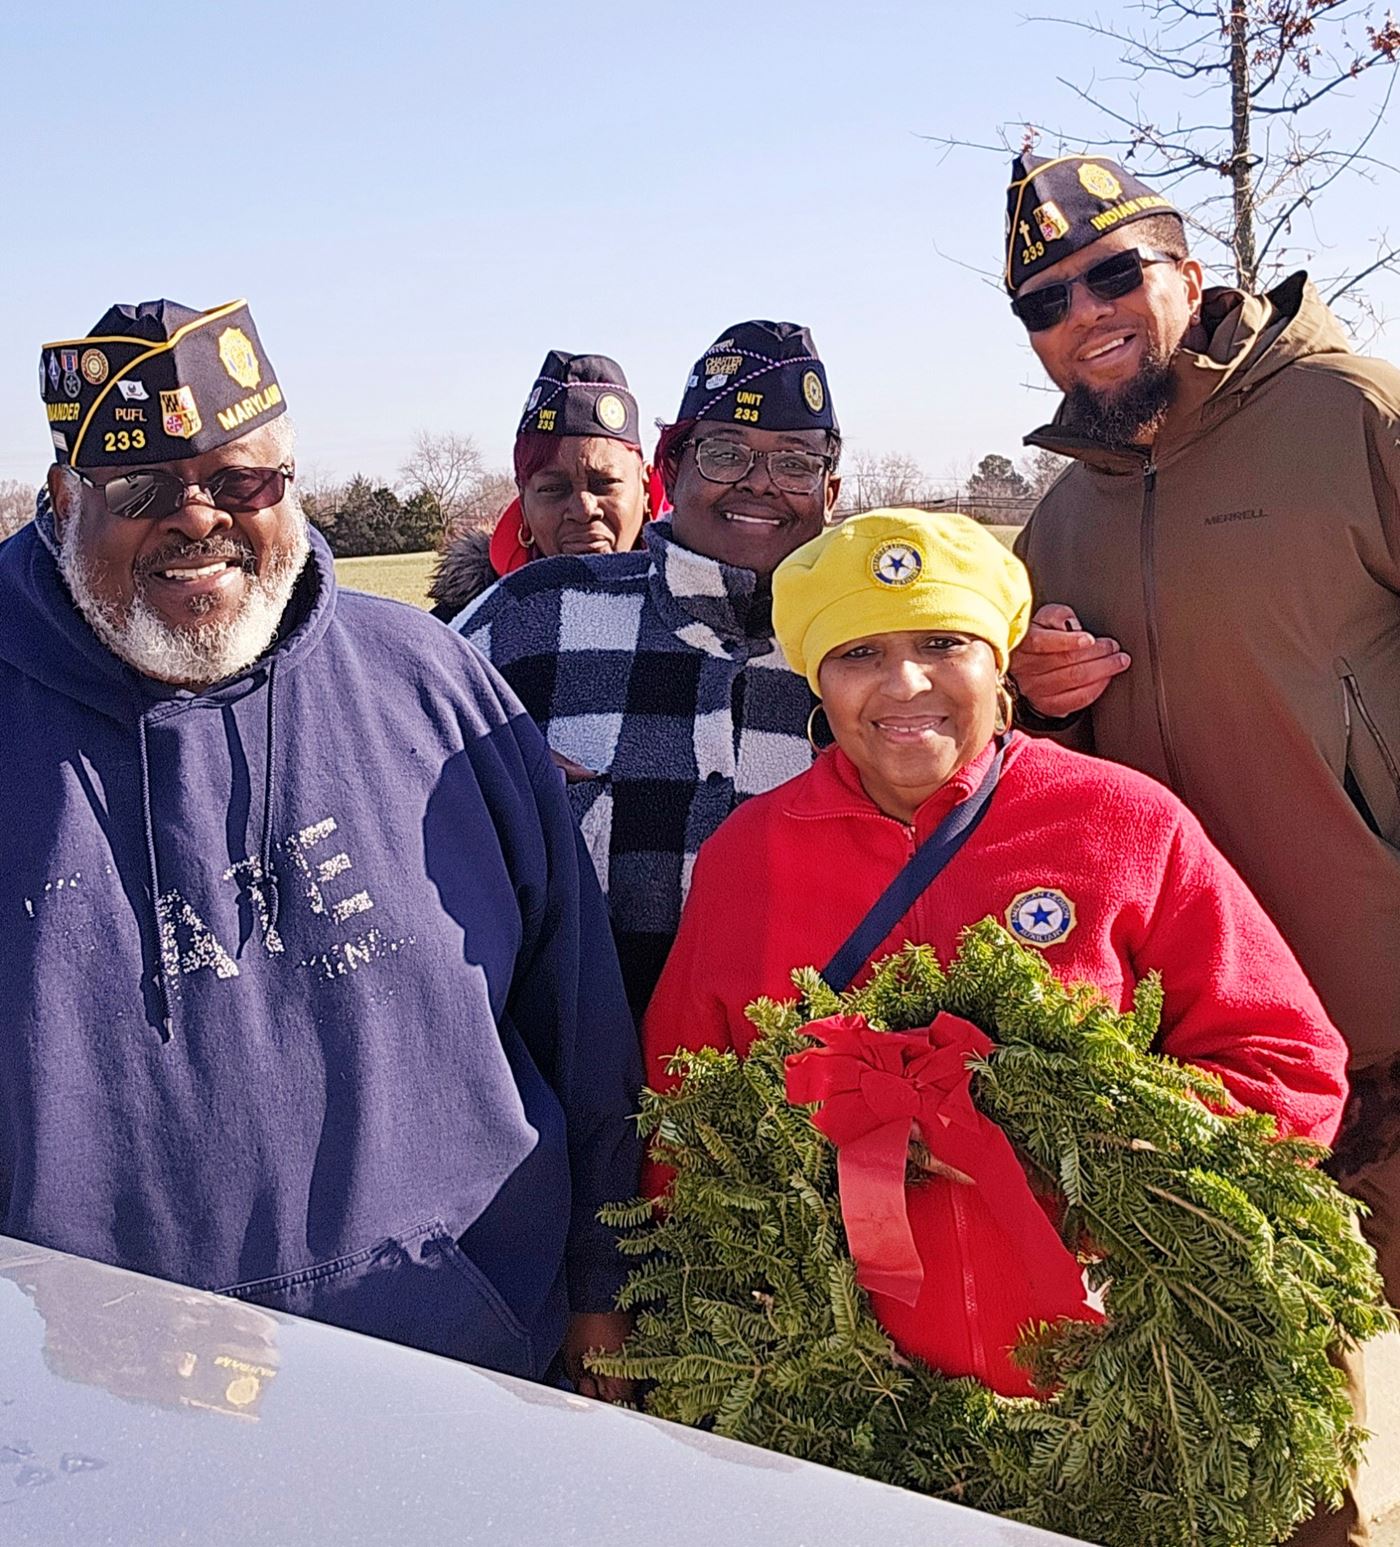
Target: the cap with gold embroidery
pixel 581 395
pixel 1056 206
pixel 767 374
pixel 157 382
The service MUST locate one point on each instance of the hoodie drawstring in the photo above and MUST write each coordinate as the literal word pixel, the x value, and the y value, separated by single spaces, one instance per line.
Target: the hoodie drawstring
pixel 269 878
pixel 153 878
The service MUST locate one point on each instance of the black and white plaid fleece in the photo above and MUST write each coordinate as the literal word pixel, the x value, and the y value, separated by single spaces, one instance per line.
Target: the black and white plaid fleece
pixel 658 671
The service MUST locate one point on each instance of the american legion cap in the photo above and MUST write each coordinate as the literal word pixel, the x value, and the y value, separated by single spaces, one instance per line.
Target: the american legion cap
pixel 767 374
pixel 581 395
pixel 1056 206
pixel 157 382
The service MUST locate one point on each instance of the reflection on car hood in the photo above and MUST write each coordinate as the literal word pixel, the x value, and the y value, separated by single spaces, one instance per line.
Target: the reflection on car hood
pixel 136 1410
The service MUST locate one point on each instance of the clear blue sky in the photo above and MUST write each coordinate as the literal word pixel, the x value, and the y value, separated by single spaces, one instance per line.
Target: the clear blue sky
pixel 421 198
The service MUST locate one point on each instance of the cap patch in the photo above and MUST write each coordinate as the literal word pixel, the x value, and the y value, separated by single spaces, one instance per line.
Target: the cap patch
pixel 1052 223
pixel 239 359
pixel 722 366
pixel 1099 181
pixel 94 367
pixel 1042 916
pixel 611 411
pixel 896 564
pixel 814 395
pixel 180 414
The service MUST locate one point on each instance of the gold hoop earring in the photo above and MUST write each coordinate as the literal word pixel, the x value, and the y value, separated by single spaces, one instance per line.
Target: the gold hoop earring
pixel 817 708
pixel 1006 709
pixel 524 537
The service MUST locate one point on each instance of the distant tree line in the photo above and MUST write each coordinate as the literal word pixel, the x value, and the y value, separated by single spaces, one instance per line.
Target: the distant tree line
pixel 16 505
pixel 996 491
pixel 444 490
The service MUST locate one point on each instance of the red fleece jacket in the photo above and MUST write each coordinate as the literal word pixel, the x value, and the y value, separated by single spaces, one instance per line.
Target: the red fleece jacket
pixel 790 874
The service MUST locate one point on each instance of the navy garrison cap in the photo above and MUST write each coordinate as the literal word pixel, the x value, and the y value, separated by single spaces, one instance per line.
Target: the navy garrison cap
pixel 766 374
pixel 157 382
pixel 581 395
pixel 1056 206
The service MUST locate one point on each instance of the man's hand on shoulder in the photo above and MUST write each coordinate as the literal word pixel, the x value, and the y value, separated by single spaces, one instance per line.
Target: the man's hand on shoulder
pixel 1060 668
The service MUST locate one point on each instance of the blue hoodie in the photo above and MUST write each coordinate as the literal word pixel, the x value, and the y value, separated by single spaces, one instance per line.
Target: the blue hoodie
pixel 307 993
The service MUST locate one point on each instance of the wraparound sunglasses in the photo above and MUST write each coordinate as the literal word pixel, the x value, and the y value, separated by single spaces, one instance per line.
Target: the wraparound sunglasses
pixel 1117 276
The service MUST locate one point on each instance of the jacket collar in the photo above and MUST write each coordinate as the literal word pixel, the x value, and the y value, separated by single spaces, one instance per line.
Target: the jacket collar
pixel 717 607
pixel 832 788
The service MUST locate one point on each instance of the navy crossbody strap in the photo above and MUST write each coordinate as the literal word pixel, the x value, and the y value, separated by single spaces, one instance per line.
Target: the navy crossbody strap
pixel 924 867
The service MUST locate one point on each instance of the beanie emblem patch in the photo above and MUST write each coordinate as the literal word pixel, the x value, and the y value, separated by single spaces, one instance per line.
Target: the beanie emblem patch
pixel 896 564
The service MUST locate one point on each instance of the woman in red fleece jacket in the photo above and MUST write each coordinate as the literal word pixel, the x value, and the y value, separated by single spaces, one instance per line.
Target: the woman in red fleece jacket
pixel 903 623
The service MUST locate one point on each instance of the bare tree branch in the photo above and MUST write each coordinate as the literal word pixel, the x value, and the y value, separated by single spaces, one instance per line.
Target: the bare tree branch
pixel 1246 179
pixel 1388 260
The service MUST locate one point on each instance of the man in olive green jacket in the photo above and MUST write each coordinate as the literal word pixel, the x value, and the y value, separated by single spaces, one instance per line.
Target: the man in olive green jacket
pixel 1218 574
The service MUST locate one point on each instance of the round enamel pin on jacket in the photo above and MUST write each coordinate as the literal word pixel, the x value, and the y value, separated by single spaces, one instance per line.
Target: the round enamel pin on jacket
pixel 1042 916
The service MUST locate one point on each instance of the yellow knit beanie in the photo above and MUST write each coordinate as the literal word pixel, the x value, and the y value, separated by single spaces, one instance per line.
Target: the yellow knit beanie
pixel 891 570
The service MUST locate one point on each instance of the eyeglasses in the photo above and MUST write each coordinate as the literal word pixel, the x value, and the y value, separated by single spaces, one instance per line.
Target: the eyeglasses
pixel 1117 276
pixel 728 461
pixel 154 495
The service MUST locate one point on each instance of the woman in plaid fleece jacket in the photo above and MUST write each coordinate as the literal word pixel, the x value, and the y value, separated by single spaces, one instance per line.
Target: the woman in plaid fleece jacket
pixel 655 675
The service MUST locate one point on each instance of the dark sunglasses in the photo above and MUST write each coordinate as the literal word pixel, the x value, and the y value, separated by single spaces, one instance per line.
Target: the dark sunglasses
pixel 154 495
pixel 719 460
pixel 1116 276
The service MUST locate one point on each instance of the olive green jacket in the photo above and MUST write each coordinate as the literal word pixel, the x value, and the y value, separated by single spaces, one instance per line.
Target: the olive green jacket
pixel 1250 564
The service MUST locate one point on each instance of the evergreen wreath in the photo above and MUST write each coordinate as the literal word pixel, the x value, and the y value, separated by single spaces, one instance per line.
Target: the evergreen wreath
pixel 1203 1412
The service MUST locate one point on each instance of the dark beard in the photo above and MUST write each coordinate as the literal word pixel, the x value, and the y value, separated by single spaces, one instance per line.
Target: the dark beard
pixel 1129 417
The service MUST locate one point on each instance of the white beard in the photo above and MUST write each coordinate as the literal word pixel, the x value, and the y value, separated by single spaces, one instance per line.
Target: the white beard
pixel 199 654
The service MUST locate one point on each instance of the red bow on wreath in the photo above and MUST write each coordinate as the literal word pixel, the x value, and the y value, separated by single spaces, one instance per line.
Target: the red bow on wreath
pixel 876 1088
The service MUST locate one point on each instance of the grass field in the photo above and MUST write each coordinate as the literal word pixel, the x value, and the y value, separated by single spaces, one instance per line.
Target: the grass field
pixel 404 576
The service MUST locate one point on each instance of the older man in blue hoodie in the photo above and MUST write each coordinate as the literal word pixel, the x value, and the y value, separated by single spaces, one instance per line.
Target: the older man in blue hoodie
pixel 307 993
